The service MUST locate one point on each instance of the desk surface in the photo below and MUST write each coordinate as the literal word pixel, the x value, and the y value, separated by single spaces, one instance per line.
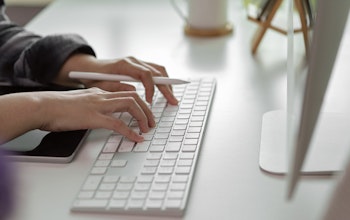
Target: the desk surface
pixel 228 183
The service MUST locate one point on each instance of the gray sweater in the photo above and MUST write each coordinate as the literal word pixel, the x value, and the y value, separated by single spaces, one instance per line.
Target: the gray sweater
pixel 28 59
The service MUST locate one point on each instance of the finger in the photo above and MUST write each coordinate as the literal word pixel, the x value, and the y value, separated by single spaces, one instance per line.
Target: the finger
pixel 168 94
pixel 166 90
pixel 146 110
pixel 119 126
pixel 142 73
pixel 130 105
pixel 140 102
pixel 159 68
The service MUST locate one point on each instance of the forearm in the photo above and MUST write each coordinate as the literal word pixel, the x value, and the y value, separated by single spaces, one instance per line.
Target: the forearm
pixel 19 114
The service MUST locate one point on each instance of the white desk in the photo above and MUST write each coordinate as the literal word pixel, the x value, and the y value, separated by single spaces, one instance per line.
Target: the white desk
pixel 228 183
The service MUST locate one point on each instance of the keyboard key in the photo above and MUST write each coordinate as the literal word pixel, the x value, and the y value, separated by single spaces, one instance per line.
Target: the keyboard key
pixel 119 163
pixel 142 147
pixel 170 113
pixel 107 186
pixel 168 163
pixel 117 204
pixel 86 194
pixel 165 124
pixel 183 170
pixel 151 163
pixel 165 170
pixel 178 186
pixel 173 147
pixel 163 179
pixel 157 148
pixel 184 116
pixel 170 156
pixel 180 178
pixel 196 124
pixel 91 204
pixel 194 129
pixel 161 136
pixel 192 136
pixel 106 156
pixel 147 137
pixel 173 203
pixel 189 148
pixel 164 130
pixel 187 163
pixel 159 142
pixel 176 195
pixel 157 194
pixel 198 113
pixel 121 194
pixel 103 195
pixel 145 179
pixel 92 182
pixel 115 139
pixel 110 179
pixel 191 141
pixel 178 132
pixel 142 186
pixel 187 155
pixel 169 119
pixel 98 170
pixel 149 170
pixel 160 186
pixel 126 146
pixel 102 163
pixel 127 179
pixel 180 127
pixel 124 186
pixel 154 204
pixel 176 138
pixel 139 195
pixel 154 156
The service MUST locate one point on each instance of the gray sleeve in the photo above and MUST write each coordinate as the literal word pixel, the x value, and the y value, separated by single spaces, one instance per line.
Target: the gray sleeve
pixel 42 60
pixel 27 58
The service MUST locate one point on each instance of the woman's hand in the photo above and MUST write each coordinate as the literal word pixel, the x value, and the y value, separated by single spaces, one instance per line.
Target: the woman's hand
pixel 72 110
pixel 130 66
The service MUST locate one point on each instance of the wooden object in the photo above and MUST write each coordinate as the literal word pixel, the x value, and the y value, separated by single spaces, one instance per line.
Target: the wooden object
pixel 267 24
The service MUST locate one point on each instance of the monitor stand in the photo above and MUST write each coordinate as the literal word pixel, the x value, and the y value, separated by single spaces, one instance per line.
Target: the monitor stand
pixel 328 150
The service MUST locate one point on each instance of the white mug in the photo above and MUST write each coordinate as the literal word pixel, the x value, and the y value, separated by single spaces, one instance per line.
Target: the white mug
pixel 205 17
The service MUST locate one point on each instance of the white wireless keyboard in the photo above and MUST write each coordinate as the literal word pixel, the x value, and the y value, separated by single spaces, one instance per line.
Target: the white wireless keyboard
pixel 152 177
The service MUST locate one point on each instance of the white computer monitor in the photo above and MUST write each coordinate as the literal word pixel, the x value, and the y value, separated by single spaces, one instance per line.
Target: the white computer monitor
pixel 331 18
pixel 288 134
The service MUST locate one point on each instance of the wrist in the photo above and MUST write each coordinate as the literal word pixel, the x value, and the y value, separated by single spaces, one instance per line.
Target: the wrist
pixel 76 62
pixel 21 112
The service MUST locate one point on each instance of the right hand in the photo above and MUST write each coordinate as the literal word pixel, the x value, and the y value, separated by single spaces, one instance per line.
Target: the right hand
pixel 72 110
pixel 94 108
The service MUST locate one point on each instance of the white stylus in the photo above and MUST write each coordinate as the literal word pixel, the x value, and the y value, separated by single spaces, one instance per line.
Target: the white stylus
pixel 114 77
